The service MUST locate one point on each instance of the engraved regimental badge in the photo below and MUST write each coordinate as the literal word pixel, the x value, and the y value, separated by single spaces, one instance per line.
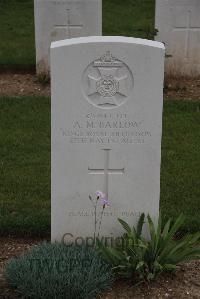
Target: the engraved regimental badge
pixel 107 82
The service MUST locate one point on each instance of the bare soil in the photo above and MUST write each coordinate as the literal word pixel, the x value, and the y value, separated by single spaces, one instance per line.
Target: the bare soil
pixel 17 84
pixel 9 248
pixel 182 88
pixel 20 84
pixel 184 283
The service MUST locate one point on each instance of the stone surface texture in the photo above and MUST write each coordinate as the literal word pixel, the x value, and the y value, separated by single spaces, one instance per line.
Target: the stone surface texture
pixel 60 19
pixel 107 97
pixel 178 24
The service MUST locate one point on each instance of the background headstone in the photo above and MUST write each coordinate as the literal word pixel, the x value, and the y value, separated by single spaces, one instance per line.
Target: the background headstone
pixel 60 19
pixel 107 95
pixel 178 24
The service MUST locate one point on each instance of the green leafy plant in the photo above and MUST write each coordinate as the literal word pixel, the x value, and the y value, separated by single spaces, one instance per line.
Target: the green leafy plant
pixel 145 258
pixel 59 271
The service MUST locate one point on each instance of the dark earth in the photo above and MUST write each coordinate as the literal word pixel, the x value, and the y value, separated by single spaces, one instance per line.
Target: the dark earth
pixel 184 283
pixel 19 84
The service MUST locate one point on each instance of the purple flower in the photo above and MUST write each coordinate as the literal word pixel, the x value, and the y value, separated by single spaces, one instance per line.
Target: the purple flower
pixel 102 196
pixel 105 202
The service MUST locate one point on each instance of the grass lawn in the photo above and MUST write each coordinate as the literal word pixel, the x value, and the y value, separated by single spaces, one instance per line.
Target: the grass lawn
pixel 25 164
pixel 180 170
pixel 17 45
pixel 129 17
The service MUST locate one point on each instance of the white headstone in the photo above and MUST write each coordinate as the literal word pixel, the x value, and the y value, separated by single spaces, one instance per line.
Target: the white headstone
pixel 178 24
pixel 107 97
pixel 60 19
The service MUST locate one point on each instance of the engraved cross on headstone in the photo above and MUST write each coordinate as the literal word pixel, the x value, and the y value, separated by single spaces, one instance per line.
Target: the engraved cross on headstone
pixel 188 29
pixel 106 171
pixel 69 25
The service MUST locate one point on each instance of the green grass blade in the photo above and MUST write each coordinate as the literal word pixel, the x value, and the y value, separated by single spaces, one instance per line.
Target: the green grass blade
pixel 140 225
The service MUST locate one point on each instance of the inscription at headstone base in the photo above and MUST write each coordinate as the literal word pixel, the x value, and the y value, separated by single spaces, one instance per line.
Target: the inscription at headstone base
pixel 60 19
pixel 106 132
pixel 178 24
